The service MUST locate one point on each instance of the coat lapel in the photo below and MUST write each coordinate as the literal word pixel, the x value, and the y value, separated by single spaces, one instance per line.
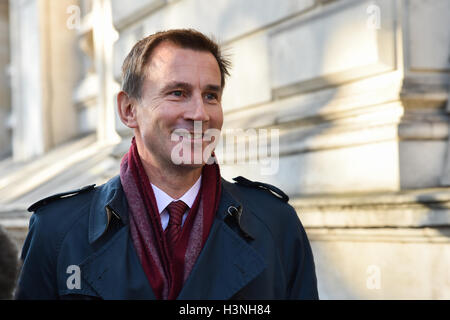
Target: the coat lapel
pixel 113 270
pixel 227 262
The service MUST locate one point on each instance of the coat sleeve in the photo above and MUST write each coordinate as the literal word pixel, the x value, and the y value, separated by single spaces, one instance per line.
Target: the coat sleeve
pixel 302 279
pixel 37 278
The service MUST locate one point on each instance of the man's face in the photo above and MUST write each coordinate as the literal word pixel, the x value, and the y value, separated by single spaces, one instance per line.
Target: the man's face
pixel 182 86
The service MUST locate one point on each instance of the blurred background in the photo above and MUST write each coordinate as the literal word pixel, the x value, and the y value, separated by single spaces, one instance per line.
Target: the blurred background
pixel 357 89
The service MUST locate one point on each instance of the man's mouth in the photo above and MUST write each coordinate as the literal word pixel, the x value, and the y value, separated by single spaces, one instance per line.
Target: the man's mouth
pixel 191 135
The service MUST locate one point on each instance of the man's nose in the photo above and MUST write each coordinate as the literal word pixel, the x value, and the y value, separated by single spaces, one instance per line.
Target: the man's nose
pixel 197 110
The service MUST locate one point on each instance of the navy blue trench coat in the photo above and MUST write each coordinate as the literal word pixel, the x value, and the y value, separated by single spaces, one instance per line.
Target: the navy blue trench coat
pixel 79 247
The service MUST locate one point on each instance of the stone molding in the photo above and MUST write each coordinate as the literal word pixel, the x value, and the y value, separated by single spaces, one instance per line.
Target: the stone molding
pixel 395 235
pixel 423 208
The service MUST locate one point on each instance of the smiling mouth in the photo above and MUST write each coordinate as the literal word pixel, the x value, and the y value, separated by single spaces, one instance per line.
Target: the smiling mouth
pixel 191 135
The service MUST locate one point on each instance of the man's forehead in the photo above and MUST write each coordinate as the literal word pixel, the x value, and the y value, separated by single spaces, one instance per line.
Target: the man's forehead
pixel 169 55
pixel 171 63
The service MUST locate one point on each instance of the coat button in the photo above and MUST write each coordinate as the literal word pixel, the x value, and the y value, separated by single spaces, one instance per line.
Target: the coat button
pixel 232 210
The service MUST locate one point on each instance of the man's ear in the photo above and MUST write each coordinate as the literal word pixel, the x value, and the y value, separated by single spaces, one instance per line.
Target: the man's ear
pixel 127 109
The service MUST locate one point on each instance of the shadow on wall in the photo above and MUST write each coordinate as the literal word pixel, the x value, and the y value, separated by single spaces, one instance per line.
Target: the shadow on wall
pixel 9 265
pixel 437 213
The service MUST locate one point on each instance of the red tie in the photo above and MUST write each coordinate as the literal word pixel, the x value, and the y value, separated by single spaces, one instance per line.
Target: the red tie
pixel 176 210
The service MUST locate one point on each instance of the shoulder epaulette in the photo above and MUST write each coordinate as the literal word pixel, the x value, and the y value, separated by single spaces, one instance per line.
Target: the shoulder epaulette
pixel 54 197
pixel 265 186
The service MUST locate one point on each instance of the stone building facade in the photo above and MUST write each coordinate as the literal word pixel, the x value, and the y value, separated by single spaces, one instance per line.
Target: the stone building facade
pixel 356 90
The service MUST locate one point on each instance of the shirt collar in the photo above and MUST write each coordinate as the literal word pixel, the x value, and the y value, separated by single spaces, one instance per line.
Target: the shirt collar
pixel 163 199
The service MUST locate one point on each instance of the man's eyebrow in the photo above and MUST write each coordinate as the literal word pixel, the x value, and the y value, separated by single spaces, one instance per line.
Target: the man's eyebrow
pixel 187 86
pixel 176 85
pixel 213 87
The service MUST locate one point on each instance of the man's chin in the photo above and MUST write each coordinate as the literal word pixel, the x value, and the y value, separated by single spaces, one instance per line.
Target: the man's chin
pixel 191 156
pixel 190 166
pixel 194 161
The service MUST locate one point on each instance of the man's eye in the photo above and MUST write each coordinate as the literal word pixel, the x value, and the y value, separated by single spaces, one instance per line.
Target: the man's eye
pixel 211 96
pixel 177 93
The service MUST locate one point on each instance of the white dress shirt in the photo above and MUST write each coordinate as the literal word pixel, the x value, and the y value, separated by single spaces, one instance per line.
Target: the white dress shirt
pixel 163 200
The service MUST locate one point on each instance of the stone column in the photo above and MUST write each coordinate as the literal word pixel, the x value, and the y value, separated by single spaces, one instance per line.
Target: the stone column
pixel 44 70
pixel 62 69
pixel 29 124
pixel 424 130
pixel 5 99
pixel 104 38
pixel 96 89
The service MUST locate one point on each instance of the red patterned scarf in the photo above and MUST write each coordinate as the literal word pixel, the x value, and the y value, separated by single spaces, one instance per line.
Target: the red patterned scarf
pixel 166 272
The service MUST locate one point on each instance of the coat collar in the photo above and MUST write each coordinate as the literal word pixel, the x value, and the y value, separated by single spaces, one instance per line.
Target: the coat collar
pixel 109 203
pixel 115 272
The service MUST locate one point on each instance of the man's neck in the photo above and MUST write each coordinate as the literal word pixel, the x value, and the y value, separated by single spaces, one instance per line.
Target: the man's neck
pixel 174 184
pixel 175 181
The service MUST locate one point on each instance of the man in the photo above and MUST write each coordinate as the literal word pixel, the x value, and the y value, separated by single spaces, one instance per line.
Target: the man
pixel 164 228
